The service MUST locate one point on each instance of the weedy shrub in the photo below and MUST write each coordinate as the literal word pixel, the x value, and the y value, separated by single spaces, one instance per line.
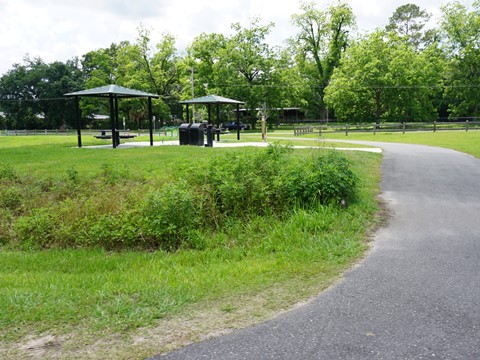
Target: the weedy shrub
pixel 11 198
pixel 7 172
pixel 324 178
pixel 276 181
pixel 168 215
pixel 223 194
pixel 37 230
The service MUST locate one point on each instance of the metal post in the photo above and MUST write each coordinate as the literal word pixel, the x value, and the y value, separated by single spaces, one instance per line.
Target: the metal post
pixel 346 129
pixel 117 127
pixel 193 96
pixel 150 119
pixel 112 121
pixel 79 125
pixel 238 121
pixel 466 125
pixel 403 125
pixel 434 126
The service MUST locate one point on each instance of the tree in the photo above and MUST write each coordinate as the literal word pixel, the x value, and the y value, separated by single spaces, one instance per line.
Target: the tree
pixel 32 93
pixel 383 78
pixel 319 45
pixel 461 28
pixel 139 66
pixel 241 66
pixel 408 22
pixel 246 66
pixel 203 56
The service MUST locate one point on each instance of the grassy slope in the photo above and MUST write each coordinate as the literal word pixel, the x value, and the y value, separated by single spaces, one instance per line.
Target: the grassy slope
pixel 76 297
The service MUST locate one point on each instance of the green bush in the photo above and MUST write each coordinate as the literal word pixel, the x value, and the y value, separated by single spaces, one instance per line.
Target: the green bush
pixel 276 181
pixel 7 172
pixel 224 194
pixel 168 215
pixel 37 230
pixel 323 178
pixel 11 198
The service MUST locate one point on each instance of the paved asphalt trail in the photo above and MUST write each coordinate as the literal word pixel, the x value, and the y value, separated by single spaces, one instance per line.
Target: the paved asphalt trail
pixel 415 296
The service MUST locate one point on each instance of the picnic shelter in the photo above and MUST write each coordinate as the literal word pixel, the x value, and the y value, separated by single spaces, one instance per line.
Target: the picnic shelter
pixel 216 100
pixel 112 93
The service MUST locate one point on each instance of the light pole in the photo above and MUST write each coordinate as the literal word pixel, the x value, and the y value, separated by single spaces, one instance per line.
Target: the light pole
pixel 193 95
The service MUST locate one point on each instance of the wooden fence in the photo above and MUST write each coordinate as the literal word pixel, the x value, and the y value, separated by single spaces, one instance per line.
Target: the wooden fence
pixel 302 130
pixel 398 127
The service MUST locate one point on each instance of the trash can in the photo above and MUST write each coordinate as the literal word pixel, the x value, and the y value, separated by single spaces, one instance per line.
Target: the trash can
pixel 183 134
pixel 197 134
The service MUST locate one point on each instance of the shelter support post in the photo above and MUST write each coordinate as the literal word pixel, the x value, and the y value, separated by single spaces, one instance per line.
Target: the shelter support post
pixel 112 121
pixel 238 122
pixel 150 119
pixel 188 116
pixel 79 121
pixel 117 124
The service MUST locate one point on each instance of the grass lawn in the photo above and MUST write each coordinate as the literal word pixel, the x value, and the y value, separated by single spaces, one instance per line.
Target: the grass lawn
pixel 93 303
pixel 468 142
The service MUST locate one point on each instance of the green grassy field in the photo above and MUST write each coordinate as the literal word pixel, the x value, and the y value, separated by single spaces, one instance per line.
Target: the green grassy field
pixel 93 303
pixel 468 142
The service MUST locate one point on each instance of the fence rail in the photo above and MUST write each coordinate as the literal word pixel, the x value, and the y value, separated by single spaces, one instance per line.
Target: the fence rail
pixel 24 132
pixel 398 127
pixel 301 130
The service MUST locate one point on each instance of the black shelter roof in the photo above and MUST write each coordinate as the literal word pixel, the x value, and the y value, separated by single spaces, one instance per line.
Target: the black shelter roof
pixel 115 90
pixel 212 99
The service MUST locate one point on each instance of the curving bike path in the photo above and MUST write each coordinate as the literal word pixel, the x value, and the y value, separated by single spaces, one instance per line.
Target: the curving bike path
pixel 415 296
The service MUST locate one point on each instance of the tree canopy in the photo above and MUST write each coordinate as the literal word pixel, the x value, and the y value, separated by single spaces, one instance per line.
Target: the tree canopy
pixel 411 70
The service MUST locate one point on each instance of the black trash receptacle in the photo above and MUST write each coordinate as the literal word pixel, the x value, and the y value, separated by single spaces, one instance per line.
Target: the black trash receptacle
pixel 183 134
pixel 197 134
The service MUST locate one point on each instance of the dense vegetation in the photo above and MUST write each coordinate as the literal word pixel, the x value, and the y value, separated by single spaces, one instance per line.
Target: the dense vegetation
pixel 401 72
pixel 116 209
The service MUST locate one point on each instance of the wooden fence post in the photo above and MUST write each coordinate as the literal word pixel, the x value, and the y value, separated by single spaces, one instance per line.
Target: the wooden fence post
pixel 375 129
pixel 434 126
pixel 403 125
pixel 466 125
pixel 346 129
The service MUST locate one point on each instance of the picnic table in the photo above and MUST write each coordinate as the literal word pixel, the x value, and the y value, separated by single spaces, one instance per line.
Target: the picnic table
pixel 107 134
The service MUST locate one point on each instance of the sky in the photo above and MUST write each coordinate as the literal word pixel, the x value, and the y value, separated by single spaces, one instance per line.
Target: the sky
pixel 58 30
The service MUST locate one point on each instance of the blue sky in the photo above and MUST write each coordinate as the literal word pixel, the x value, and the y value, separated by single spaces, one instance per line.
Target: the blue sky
pixel 60 30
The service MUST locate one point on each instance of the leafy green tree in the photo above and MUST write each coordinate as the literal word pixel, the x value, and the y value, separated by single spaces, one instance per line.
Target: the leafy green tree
pixel 99 69
pixel 408 21
pixel 246 65
pixel 319 45
pixel 383 78
pixel 161 71
pixel 242 66
pixel 32 94
pixel 461 27
pixel 139 66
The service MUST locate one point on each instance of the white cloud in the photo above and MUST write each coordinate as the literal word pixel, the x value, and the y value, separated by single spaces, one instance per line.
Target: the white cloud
pixel 60 30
